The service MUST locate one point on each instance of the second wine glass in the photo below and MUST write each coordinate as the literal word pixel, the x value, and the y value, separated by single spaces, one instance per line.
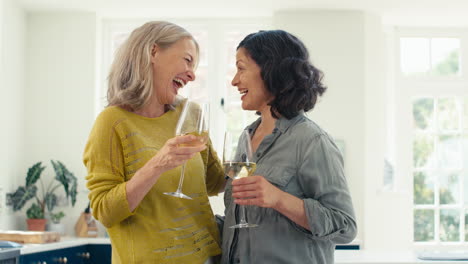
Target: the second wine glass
pixel 239 164
pixel 194 120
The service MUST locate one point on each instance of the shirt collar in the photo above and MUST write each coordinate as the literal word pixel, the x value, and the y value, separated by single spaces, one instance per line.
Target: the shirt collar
pixel 282 124
pixel 252 127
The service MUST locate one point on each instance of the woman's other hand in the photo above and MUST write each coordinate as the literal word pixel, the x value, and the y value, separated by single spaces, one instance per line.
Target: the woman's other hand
pixel 255 190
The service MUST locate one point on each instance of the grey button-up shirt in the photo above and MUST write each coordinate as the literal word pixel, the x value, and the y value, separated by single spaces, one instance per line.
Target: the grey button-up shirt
pixel 301 159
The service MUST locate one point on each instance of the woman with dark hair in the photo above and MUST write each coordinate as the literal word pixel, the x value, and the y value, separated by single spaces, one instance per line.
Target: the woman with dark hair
pixel 298 196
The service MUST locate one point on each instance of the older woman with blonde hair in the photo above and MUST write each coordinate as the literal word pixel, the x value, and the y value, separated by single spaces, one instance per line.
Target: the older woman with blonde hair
pixel 132 155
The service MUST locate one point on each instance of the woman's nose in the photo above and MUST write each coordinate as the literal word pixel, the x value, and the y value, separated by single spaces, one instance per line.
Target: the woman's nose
pixel 235 80
pixel 191 75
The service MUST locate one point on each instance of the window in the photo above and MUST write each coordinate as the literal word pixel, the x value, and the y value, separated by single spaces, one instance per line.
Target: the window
pixel 440 163
pixel 430 56
pixel 434 82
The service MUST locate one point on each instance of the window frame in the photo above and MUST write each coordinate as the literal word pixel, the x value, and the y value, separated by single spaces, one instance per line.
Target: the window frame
pixel 408 88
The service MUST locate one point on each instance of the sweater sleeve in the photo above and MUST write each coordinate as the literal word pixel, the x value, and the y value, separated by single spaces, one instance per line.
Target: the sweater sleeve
pixel 103 158
pixel 214 171
pixel 329 208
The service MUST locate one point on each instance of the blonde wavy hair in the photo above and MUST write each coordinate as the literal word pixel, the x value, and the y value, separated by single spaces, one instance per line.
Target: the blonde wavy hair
pixel 130 81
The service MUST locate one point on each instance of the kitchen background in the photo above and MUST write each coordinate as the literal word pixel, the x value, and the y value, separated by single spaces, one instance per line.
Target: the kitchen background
pixel 406 155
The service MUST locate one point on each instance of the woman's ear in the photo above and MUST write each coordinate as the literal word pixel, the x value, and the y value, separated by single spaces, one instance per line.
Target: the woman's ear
pixel 155 52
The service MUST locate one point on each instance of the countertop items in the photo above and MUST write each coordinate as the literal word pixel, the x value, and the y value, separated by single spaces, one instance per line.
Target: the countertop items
pixel 26 237
pixel 9 244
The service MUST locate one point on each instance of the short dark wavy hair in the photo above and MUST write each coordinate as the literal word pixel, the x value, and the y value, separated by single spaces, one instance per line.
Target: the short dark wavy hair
pixel 285 70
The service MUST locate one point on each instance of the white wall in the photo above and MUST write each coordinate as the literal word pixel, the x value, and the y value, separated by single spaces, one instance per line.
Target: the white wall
pixel 12 75
pixel 335 40
pixel 51 117
pixel 388 213
pixel 59 94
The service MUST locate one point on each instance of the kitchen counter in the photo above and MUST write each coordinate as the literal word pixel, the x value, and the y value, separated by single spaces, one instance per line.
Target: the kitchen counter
pixel 8 254
pixel 383 257
pixel 341 256
pixel 65 242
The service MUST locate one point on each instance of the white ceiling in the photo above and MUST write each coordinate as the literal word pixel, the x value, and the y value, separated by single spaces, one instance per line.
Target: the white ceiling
pixel 433 12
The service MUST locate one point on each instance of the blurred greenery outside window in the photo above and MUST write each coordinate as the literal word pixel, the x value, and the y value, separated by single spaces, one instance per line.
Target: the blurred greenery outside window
pixel 440 166
pixel 430 56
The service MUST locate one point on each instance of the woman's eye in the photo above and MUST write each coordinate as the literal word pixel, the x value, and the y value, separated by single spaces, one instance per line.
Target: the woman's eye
pixel 188 60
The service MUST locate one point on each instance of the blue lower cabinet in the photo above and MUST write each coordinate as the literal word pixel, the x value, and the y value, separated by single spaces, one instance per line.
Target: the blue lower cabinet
pixel 347 247
pixel 65 255
pixel 99 254
pixel 86 254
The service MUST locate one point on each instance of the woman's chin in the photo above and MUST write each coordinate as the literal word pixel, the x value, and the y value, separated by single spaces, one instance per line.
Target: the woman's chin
pixel 247 107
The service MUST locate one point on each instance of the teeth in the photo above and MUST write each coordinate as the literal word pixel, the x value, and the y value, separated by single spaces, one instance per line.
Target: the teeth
pixel 180 82
pixel 244 91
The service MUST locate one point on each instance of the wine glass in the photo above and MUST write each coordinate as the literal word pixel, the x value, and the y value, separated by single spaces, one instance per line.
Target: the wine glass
pixel 193 120
pixel 239 164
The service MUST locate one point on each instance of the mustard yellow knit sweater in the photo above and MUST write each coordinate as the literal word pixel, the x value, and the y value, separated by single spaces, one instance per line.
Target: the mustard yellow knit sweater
pixel 162 229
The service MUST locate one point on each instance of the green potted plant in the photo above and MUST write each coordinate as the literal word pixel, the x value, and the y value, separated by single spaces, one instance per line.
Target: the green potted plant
pixel 56 225
pixel 46 199
pixel 56 217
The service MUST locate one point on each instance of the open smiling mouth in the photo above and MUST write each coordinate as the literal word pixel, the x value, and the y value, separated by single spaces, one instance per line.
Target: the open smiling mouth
pixel 179 83
pixel 243 93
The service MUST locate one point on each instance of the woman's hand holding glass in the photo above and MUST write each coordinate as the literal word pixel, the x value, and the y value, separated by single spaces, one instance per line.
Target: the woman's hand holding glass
pixel 175 152
pixel 239 165
pixel 255 190
pixel 194 122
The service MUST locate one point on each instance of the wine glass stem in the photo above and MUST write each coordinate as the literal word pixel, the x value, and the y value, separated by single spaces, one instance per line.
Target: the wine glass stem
pixel 181 180
pixel 242 215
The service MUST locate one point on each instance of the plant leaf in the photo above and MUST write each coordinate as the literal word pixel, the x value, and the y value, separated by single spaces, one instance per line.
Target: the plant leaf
pixel 73 192
pixel 35 212
pixel 60 174
pixel 50 201
pixel 57 217
pixel 67 179
pixel 19 198
pixel 34 173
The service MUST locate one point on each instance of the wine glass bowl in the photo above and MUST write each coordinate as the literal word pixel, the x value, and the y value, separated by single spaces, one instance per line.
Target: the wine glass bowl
pixel 193 120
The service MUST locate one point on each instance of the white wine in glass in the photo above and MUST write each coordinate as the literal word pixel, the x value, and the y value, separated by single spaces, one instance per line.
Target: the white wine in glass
pixel 237 170
pixel 194 120
pixel 237 165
